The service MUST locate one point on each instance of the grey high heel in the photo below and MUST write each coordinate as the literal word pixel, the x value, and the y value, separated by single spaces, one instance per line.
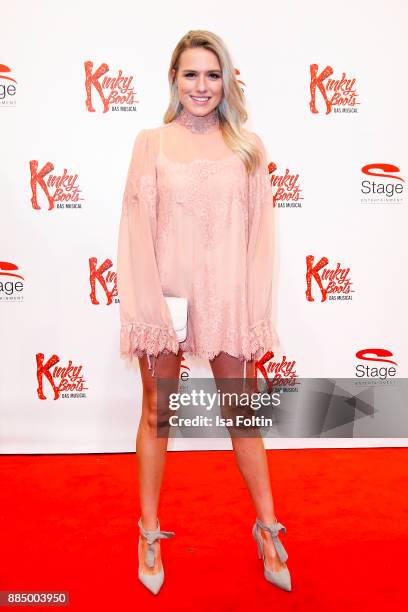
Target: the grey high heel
pixel 281 578
pixel 152 581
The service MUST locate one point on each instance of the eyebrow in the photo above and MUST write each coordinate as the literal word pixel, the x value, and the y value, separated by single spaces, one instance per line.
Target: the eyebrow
pixel 191 70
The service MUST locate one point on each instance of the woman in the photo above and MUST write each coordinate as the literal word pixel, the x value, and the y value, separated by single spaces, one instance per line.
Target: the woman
pixel 197 222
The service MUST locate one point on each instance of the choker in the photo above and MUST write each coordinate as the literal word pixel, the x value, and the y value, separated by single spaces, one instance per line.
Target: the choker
pixel 197 124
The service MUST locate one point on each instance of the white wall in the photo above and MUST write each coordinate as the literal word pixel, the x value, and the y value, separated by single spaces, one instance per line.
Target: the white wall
pixel 273 44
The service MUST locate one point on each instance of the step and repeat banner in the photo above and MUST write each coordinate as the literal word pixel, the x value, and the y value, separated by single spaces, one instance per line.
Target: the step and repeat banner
pixel 326 91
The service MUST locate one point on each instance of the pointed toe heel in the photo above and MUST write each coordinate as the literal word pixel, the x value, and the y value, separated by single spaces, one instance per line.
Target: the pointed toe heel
pixel 281 578
pixel 153 582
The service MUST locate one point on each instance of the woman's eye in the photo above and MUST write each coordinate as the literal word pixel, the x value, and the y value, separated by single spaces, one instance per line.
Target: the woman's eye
pixel 212 74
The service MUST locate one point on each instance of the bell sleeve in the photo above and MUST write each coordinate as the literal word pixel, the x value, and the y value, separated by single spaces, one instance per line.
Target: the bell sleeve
pixel 145 319
pixel 260 258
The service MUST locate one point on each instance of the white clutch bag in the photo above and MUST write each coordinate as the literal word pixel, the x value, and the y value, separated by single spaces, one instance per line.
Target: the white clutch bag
pixel 178 311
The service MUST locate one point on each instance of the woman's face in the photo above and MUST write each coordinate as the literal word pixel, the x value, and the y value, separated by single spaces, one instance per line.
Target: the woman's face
pixel 199 76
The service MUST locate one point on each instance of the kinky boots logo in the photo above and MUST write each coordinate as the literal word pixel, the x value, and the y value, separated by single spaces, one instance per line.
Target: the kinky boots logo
pixel 102 276
pixel 386 188
pixel 339 95
pixel 8 87
pixel 279 373
pixel 115 91
pixel 60 190
pixel 65 381
pixel 285 187
pixel 333 283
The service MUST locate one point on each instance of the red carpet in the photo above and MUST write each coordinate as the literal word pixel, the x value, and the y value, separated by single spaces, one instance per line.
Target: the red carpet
pixel 68 522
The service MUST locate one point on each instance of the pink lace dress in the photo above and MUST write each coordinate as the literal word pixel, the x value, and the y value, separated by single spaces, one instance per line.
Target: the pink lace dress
pixel 194 224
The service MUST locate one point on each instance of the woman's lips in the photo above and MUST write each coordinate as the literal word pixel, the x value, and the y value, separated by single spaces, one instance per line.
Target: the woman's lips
pixel 201 99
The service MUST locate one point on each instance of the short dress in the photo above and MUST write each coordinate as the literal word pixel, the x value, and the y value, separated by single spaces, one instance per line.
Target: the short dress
pixel 195 224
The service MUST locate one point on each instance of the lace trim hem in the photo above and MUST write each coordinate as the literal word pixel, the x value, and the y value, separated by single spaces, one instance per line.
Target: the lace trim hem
pixel 262 337
pixel 140 339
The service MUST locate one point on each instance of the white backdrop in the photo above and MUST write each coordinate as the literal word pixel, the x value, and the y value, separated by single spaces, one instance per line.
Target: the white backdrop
pixel 48 308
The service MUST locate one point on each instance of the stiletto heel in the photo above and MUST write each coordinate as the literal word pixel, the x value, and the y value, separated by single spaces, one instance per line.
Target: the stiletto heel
pixel 259 550
pixel 152 581
pixel 280 578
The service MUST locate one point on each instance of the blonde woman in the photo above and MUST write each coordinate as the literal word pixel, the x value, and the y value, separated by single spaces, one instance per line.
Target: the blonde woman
pixel 197 222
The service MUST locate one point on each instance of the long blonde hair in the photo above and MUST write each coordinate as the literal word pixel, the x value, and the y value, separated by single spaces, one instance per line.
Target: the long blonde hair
pixel 231 110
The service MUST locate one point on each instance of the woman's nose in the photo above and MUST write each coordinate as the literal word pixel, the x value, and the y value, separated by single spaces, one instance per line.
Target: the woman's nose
pixel 202 85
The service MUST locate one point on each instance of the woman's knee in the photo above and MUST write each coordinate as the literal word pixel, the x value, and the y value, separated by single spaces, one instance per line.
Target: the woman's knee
pixel 155 403
pixel 149 409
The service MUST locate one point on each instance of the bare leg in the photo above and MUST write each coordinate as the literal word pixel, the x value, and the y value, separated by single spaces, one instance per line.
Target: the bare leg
pixel 151 449
pixel 250 455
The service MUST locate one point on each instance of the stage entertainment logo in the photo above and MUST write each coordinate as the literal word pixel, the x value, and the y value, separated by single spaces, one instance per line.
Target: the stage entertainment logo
pixel 333 283
pixel 338 94
pixel 8 87
pixel 381 190
pixel 66 381
pixel 114 91
pixel 11 283
pixel 378 368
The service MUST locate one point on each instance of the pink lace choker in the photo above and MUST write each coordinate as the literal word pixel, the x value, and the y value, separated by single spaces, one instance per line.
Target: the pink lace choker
pixel 196 123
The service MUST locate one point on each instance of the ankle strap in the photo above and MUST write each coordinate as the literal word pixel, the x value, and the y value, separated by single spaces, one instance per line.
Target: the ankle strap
pixel 152 536
pixel 274 529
